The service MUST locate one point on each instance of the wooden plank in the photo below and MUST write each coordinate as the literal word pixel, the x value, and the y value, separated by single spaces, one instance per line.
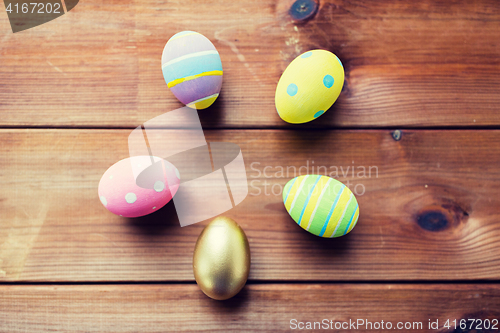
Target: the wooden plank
pixel 269 308
pixel 429 208
pixel 424 63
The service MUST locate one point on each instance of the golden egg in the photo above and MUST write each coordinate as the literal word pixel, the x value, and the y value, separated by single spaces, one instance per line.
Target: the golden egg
pixel 221 260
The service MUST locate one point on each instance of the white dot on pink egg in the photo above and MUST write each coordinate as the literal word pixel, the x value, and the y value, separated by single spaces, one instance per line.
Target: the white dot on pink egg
pixel 130 198
pixel 159 186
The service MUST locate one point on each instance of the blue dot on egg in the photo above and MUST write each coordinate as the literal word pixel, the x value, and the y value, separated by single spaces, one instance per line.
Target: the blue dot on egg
pixel 306 55
pixel 319 113
pixel 292 89
pixel 328 81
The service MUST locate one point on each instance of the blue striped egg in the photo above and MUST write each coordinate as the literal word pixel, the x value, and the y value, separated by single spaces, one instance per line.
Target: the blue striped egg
pixel 321 205
pixel 192 69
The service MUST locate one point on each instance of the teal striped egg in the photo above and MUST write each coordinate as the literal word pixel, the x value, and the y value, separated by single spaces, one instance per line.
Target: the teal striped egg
pixel 321 205
pixel 192 69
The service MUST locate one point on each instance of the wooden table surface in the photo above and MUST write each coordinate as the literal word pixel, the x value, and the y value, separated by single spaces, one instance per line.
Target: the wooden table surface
pixel 419 110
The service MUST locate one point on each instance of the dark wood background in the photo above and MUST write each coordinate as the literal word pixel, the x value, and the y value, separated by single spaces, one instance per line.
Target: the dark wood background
pixel 420 103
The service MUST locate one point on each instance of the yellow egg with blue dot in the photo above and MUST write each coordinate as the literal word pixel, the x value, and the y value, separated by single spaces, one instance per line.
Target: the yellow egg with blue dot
pixel 309 86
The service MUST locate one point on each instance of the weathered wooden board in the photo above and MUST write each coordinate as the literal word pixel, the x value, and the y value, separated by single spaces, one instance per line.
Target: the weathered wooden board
pixel 263 308
pixel 424 63
pixel 429 198
pixel 428 208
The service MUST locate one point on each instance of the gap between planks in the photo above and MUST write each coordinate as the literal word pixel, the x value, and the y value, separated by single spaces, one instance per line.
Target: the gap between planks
pixel 255 282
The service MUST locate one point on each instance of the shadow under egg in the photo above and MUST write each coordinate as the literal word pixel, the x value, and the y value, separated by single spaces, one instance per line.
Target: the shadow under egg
pixel 157 223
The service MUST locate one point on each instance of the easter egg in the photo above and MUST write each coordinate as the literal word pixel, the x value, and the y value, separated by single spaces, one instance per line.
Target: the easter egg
pixel 321 205
pixel 221 261
pixel 192 69
pixel 120 193
pixel 309 86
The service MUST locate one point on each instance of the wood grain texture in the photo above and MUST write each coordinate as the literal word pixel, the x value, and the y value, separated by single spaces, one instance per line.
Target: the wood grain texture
pixel 429 208
pixel 425 63
pixel 257 308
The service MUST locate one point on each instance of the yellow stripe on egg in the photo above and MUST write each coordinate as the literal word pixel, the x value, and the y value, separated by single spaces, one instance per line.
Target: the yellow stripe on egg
pixel 292 194
pixel 339 222
pixel 338 213
pixel 313 201
pixel 204 102
pixel 296 194
pixel 354 220
pixel 318 202
pixel 192 77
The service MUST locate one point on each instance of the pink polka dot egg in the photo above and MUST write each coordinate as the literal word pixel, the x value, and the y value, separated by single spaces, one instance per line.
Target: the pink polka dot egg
pixel 138 186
